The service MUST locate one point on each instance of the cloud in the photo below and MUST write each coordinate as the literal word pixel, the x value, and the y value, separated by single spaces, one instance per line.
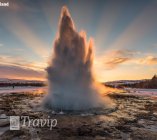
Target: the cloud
pixel 113 63
pixel 20 68
pixel 9 71
pixel 1 45
pixel 114 58
pixel 124 52
pixel 149 60
pixel 21 62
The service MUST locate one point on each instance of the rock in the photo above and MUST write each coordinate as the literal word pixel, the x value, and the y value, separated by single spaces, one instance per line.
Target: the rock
pixel 154 118
pixel 61 113
pixel 99 123
pixel 4 122
pixel 3 116
pixel 155 114
pixel 53 112
pixel 85 131
pixel 10 135
pixel 123 128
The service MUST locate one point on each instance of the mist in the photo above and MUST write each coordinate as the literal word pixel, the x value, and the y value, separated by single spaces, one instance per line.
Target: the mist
pixel 72 85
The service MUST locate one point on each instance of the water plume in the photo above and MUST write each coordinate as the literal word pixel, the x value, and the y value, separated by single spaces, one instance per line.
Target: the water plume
pixel 72 85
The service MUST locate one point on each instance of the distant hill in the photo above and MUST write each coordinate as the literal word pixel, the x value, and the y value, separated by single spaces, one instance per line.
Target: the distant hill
pixel 5 82
pixel 122 82
pixel 147 83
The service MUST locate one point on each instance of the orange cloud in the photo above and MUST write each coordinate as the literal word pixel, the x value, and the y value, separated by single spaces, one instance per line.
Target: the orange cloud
pixel 19 68
pixel 9 71
pixel 21 62
pixel 149 60
pixel 114 58
pixel 113 63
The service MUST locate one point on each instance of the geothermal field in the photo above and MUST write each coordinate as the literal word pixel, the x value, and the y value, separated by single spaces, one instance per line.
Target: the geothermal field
pixel 72 105
pixel 134 117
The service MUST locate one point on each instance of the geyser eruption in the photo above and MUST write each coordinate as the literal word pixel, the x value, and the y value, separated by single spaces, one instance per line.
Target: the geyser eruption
pixel 71 82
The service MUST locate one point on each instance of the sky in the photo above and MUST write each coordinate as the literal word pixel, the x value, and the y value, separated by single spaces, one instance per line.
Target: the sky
pixel 124 34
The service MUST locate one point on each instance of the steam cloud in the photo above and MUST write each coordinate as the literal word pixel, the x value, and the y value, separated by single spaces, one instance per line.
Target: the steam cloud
pixel 71 82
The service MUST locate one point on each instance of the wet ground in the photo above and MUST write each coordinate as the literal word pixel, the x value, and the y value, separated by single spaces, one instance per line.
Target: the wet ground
pixel 133 118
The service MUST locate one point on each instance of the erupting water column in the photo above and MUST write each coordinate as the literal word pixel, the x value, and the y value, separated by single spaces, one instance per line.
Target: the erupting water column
pixel 71 82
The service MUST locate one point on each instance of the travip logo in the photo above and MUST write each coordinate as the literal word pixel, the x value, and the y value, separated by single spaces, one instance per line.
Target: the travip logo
pixel 14 123
pixel 27 122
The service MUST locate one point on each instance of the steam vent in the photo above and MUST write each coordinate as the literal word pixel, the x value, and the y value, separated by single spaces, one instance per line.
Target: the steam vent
pixel 71 82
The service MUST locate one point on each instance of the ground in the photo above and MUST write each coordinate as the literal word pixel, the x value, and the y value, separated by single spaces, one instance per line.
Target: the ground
pixel 134 117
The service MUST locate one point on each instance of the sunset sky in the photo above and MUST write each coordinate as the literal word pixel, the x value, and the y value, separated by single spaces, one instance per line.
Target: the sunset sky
pixel 124 33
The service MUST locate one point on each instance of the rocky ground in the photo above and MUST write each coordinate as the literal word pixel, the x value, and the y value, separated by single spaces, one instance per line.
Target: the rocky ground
pixel 133 118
